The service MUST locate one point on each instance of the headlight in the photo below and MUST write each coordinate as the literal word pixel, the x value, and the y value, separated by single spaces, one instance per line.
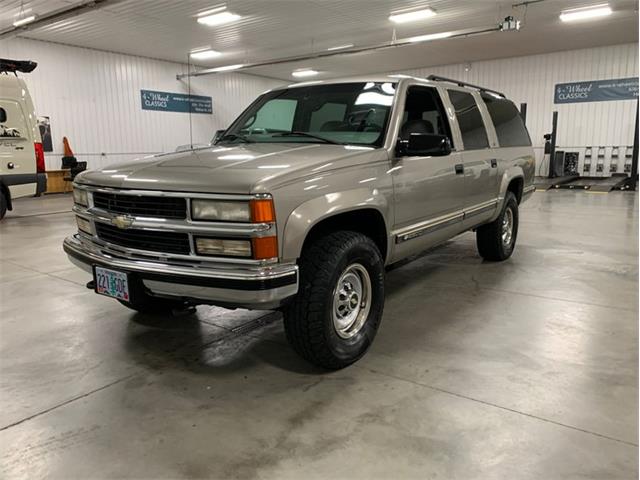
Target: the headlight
pixel 84 225
pixel 224 247
pixel 220 210
pixel 80 197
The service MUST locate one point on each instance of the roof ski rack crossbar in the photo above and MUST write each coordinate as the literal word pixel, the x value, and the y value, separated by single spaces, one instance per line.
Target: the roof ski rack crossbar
pixel 13 66
pixel 464 84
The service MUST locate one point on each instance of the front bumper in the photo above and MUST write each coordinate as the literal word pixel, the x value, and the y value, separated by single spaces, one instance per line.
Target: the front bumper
pixel 256 287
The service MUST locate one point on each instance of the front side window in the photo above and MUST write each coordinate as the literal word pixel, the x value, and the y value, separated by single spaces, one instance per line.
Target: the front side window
pixel 507 121
pixel 474 135
pixel 346 113
pixel 424 113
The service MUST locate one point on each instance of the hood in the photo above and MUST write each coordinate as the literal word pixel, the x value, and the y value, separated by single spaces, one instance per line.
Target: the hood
pixel 245 168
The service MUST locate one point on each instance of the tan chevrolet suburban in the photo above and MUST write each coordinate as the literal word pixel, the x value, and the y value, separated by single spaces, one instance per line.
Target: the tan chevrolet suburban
pixel 301 203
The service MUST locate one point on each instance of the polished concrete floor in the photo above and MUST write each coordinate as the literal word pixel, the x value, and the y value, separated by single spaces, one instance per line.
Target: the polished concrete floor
pixel 526 369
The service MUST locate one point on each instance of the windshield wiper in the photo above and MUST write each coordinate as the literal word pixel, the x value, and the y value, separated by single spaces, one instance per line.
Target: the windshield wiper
pixel 235 136
pixel 305 134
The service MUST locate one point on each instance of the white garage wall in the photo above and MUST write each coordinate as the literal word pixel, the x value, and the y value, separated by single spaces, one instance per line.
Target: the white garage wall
pixel 93 98
pixel 531 80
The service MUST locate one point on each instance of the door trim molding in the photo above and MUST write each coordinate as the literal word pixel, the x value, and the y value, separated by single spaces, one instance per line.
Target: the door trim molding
pixel 422 228
pixel 480 208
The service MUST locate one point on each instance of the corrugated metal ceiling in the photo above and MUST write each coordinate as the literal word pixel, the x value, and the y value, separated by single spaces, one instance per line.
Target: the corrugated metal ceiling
pixel 167 29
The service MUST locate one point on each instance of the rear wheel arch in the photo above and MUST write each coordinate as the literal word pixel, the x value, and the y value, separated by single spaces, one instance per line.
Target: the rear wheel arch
pixel 516 186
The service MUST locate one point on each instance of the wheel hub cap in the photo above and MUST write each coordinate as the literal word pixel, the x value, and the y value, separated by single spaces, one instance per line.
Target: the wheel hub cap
pixel 507 227
pixel 351 300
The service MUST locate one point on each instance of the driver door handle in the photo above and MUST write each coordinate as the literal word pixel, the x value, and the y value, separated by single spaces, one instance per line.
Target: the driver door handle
pixel 459 168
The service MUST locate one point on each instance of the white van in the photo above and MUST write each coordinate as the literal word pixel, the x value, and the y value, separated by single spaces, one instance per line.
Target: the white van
pixel 22 169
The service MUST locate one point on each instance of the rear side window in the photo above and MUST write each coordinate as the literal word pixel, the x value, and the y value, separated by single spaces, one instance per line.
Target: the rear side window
pixel 474 135
pixel 507 121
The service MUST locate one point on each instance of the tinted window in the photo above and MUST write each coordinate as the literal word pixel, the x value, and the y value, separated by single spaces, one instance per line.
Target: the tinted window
pixel 474 135
pixel 507 121
pixel 424 113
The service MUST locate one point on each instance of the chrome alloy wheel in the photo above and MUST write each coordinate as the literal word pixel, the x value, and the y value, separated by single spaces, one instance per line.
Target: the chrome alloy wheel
pixel 351 301
pixel 507 227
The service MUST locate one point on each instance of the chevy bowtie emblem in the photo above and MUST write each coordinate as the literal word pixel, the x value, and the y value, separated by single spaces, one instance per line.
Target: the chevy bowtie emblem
pixel 122 221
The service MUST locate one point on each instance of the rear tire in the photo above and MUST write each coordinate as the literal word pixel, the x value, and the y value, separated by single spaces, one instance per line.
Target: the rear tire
pixel 334 318
pixel 496 241
pixel 3 205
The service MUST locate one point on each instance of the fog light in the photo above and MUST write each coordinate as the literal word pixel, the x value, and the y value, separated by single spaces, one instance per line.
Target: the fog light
pixel 223 247
pixel 84 225
pixel 80 197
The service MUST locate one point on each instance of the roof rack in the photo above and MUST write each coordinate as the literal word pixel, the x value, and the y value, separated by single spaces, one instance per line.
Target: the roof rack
pixel 464 84
pixel 13 66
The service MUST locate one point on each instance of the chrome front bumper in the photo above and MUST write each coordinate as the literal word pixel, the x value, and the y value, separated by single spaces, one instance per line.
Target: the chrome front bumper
pixel 246 286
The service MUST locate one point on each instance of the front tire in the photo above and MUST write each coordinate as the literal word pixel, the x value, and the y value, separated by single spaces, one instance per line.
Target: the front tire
pixel 496 241
pixel 334 318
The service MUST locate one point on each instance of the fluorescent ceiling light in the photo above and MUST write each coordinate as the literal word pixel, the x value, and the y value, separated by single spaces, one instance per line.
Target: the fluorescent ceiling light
pixel 204 54
pixel 211 20
pixel 340 47
pixel 24 21
pixel 301 84
pixel 227 68
pixel 586 13
pixel 212 10
pixel 304 73
pixel 431 36
pixel 415 15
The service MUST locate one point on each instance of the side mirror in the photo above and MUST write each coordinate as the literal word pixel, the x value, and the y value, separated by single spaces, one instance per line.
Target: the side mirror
pixel 217 136
pixel 424 144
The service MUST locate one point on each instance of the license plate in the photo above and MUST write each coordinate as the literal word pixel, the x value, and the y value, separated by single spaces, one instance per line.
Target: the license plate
pixel 111 283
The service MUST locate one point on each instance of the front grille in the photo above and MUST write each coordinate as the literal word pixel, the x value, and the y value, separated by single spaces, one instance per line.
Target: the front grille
pixel 166 242
pixel 142 205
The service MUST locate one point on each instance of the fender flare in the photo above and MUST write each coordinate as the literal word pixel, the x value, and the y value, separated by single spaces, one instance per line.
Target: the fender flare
pixel 310 213
pixel 508 176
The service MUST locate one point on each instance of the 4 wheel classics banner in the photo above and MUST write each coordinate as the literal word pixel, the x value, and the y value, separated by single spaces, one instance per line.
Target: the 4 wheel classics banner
pixel 597 91
pixel 175 102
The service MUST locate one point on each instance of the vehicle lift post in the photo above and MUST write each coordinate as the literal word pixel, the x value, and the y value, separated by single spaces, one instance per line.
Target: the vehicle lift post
pixel 633 179
pixel 552 153
pixel 523 112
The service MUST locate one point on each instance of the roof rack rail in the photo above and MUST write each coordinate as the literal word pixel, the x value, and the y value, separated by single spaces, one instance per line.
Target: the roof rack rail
pixel 13 66
pixel 464 84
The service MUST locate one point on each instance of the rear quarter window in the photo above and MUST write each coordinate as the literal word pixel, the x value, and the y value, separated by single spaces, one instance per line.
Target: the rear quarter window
pixel 507 121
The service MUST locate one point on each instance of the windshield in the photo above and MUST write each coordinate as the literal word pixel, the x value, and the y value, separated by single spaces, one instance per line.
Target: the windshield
pixel 343 113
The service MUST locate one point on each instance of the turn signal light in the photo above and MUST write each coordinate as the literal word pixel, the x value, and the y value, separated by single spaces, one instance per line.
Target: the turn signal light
pixel 262 210
pixel 265 247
